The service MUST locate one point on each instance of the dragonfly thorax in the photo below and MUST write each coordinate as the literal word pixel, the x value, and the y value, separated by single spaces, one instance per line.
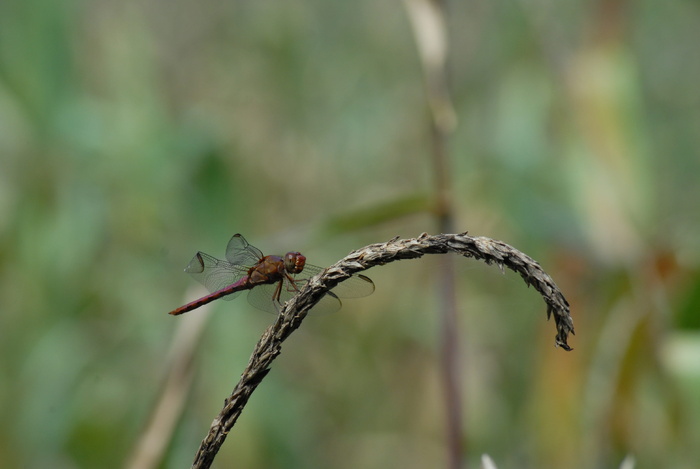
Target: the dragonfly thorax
pixel 294 262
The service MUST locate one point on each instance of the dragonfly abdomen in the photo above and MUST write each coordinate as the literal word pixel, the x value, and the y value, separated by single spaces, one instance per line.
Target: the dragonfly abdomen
pixel 242 284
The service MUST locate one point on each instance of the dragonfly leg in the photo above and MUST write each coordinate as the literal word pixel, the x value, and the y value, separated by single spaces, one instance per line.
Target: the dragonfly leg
pixel 292 283
pixel 276 296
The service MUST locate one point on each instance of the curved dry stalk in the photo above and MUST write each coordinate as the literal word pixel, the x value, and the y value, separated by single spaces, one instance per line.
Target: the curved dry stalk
pixel 270 344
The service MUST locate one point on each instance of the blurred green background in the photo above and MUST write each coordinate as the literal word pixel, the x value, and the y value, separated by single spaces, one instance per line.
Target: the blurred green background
pixel 134 133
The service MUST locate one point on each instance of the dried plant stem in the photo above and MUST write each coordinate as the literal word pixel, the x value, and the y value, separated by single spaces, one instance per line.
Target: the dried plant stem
pixel 270 344
pixel 428 19
pixel 153 442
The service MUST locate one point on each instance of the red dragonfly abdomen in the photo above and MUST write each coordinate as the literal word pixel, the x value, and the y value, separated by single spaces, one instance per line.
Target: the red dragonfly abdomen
pixel 243 284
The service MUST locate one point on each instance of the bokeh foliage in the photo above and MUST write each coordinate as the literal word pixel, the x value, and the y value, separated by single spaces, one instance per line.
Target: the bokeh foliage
pixel 133 133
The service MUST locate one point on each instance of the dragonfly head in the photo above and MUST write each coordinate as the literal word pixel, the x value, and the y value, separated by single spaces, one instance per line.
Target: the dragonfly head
pixel 294 262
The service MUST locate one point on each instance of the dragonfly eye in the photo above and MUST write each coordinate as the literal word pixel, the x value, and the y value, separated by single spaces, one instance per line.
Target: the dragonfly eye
pixel 294 262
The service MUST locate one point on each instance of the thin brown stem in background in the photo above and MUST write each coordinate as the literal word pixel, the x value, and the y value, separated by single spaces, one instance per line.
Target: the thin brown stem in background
pixel 428 20
pixel 153 442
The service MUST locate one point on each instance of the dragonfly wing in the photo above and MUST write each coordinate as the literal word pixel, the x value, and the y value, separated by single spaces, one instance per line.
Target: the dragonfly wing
pixel 357 286
pixel 329 303
pixel 239 252
pixel 262 298
pixel 214 273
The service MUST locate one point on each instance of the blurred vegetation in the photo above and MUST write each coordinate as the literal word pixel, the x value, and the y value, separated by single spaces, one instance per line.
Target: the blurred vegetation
pixel 134 133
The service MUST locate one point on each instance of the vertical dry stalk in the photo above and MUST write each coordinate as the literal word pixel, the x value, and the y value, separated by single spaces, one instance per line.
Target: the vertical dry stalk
pixel 270 344
pixel 153 442
pixel 428 20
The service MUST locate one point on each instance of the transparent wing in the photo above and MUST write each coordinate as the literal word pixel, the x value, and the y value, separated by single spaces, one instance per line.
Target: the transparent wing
pixel 356 286
pixel 329 303
pixel 239 252
pixel 262 296
pixel 214 273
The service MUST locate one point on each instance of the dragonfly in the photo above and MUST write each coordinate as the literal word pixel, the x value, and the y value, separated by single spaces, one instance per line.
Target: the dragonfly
pixel 269 280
